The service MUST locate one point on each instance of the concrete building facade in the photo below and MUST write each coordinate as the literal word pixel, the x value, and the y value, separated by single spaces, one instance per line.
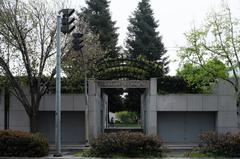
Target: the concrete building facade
pixel 176 118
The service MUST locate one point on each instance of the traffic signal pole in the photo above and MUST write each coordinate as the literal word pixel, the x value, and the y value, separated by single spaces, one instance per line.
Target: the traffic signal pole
pixel 58 91
pixel 63 25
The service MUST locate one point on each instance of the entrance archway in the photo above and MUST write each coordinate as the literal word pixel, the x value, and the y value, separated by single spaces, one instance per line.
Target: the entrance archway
pixel 98 101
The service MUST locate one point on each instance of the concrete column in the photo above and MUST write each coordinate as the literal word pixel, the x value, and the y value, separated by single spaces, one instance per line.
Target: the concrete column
pixel 151 108
pixel 98 111
pixel 105 111
pixel 92 116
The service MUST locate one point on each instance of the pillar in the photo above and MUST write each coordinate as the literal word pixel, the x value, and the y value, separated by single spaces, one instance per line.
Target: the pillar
pixel 151 108
pixel 92 116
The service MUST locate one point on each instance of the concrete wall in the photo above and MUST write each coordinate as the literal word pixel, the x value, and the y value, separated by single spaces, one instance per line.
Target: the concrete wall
pixel 18 119
pixel 69 102
pixel 223 105
pixel 223 88
pixel 222 102
pixel 72 126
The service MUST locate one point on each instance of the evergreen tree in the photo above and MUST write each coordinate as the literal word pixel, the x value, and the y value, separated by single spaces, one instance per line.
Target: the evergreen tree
pixel 143 39
pixel 99 18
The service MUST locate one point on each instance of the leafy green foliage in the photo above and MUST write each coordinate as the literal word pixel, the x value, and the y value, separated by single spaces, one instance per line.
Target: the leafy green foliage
pixel 126 117
pixel 174 84
pixel 203 77
pixel 99 18
pixel 129 144
pixel 3 82
pixel 143 39
pixel 227 145
pixel 218 38
pixel 22 144
pixel 195 153
pixel 68 85
pixel 139 68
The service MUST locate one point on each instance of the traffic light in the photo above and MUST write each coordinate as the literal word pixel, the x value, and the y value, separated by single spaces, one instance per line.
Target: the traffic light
pixel 77 41
pixel 67 21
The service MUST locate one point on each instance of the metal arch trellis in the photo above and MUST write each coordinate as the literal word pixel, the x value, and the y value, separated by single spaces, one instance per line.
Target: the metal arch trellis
pixel 138 68
pixel 139 62
pixel 121 73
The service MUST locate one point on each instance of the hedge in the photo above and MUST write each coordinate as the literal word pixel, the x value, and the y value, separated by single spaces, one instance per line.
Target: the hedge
pixel 174 84
pixel 130 144
pixel 227 145
pixel 22 144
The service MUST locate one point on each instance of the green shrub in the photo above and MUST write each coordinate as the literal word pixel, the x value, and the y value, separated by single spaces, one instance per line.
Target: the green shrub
pixel 227 144
pixel 22 144
pixel 126 117
pixel 130 144
pixel 117 122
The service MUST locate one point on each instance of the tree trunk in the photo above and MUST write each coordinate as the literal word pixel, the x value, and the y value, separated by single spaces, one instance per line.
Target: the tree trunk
pixel 33 123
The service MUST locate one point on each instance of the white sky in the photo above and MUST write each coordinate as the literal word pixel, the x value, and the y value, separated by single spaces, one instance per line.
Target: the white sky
pixel 175 17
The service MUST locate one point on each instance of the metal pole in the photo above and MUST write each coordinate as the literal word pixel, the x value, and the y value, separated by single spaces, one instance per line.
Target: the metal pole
pixel 86 99
pixel 86 106
pixel 58 92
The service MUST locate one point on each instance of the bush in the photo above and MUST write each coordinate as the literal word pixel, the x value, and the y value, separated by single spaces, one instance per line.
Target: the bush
pixel 126 117
pixel 227 144
pixel 130 144
pixel 22 144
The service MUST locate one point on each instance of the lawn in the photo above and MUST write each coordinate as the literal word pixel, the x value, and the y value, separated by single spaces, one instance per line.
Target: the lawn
pixel 128 125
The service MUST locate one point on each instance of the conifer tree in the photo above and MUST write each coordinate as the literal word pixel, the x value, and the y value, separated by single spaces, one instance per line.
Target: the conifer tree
pixel 142 38
pixel 99 18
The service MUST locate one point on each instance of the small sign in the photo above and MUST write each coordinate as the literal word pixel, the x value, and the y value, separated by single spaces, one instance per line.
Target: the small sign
pixel 123 83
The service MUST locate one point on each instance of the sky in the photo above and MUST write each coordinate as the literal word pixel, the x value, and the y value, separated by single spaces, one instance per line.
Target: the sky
pixel 175 18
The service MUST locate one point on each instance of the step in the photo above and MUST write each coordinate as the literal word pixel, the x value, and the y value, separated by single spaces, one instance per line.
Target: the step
pixel 119 129
pixel 69 147
pixel 181 146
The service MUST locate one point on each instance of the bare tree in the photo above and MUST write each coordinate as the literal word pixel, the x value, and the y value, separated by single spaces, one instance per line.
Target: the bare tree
pixel 76 63
pixel 28 29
